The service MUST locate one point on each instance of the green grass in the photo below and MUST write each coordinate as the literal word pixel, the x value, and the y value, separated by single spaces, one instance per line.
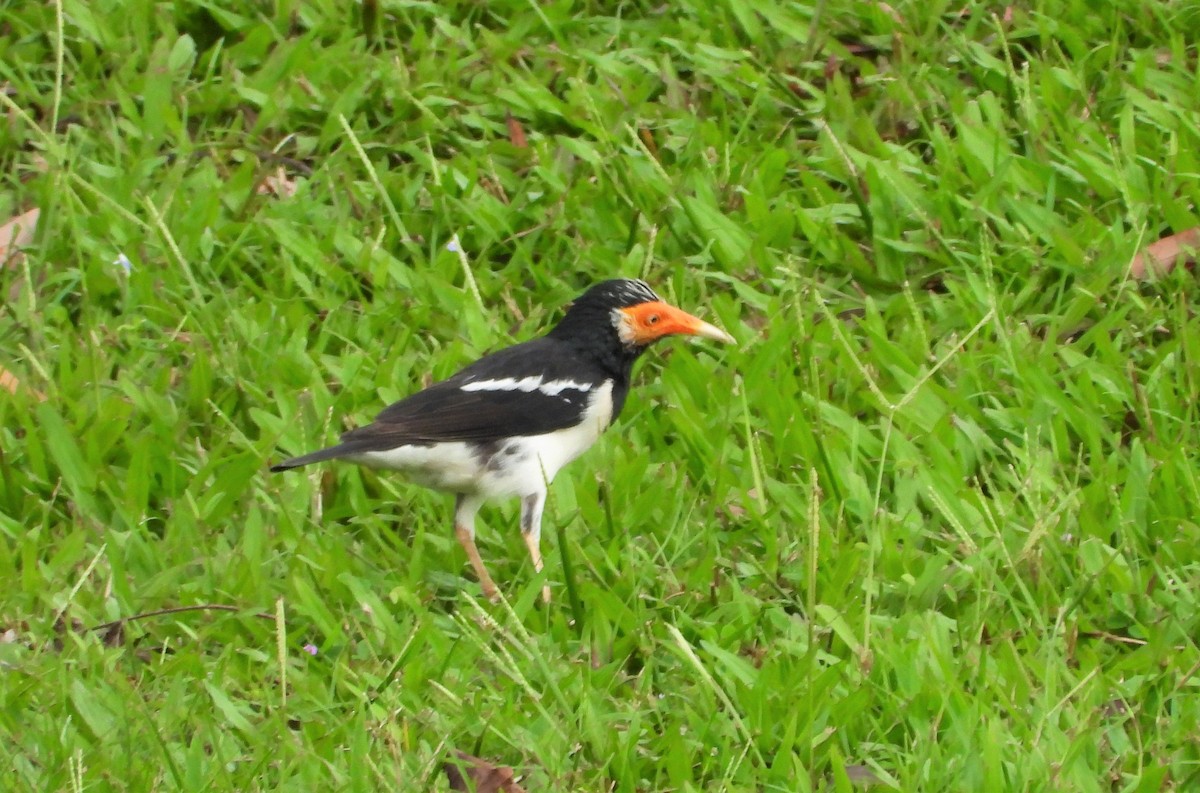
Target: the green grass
pixel 930 527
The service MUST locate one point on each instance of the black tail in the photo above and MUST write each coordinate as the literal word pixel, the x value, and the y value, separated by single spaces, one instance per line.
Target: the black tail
pixel 332 453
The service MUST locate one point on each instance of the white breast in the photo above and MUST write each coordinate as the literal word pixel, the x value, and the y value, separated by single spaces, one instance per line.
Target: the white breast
pixel 555 449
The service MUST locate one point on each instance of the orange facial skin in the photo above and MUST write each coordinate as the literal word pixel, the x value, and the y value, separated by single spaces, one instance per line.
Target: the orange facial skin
pixel 648 322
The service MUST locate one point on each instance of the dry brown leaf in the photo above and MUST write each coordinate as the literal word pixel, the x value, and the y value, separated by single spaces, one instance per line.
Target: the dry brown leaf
pixel 278 184
pixel 16 233
pixel 10 383
pixel 648 140
pixel 515 133
pixel 484 777
pixel 1163 256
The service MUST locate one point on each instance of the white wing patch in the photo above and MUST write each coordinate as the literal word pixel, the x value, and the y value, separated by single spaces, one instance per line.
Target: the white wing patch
pixel 504 384
pixel 527 384
pixel 556 387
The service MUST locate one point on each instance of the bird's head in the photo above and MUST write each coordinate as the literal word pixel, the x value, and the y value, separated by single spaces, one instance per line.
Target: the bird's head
pixel 636 315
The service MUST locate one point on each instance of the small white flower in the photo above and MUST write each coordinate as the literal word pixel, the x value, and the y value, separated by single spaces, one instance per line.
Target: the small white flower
pixel 453 245
pixel 123 262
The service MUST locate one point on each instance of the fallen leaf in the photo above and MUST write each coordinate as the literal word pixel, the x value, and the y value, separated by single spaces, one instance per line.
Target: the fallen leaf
pixel 484 777
pixel 16 233
pixel 278 184
pixel 1163 256
pixel 10 383
pixel 515 133
pixel 648 139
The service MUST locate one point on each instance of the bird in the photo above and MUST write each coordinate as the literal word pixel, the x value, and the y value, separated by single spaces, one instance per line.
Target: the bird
pixel 505 425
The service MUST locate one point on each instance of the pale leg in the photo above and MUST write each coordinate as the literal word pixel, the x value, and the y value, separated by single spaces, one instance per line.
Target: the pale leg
pixel 464 528
pixel 531 530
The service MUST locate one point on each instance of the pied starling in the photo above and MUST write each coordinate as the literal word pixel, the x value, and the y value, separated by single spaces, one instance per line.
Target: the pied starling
pixel 506 424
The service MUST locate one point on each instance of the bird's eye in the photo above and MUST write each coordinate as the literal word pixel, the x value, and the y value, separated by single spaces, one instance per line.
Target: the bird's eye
pixel 652 319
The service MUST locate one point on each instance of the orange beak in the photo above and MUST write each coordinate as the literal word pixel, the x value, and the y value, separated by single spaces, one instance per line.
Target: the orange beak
pixel 648 322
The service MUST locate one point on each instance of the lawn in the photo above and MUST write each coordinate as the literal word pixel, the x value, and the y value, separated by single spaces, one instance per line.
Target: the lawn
pixel 931 525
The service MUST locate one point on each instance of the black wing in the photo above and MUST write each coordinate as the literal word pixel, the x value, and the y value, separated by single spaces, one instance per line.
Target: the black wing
pixel 447 412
